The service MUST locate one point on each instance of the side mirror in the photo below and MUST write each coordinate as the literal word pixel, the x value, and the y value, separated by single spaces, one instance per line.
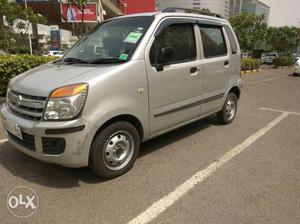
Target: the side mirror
pixel 165 55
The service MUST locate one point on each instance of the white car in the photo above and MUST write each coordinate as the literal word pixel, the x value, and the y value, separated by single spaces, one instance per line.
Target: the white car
pixel 54 53
pixel 269 58
pixel 297 67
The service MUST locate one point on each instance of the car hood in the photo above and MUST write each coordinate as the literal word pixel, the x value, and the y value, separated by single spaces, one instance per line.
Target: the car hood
pixel 41 81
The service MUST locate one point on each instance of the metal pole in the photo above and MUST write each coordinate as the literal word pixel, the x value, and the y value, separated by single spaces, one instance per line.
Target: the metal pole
pixel 29 38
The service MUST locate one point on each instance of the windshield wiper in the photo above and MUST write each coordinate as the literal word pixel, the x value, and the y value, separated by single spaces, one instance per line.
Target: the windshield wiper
pixel 106 61
pixel 74 60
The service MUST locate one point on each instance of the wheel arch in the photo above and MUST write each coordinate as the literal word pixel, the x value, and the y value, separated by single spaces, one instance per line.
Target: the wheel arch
pixel 236 90
pixel 124 117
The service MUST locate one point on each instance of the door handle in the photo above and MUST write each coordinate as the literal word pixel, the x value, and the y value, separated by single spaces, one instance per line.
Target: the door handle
pixel 226 63
pixel 193 70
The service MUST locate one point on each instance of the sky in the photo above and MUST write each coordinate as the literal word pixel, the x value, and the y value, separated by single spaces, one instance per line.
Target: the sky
pixel 284 12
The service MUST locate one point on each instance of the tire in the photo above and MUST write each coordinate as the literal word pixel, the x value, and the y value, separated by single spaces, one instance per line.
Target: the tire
pixel 114 150
pixel 228 112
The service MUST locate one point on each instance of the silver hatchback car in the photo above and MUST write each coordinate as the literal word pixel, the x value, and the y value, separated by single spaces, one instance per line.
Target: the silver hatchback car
pixel 128 80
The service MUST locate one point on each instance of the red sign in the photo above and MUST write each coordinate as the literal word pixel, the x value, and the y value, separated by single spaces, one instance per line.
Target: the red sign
pixel 73 14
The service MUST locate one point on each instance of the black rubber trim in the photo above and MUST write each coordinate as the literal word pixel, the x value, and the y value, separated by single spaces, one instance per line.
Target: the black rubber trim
pixel 209 99
pixel 171 21
pixel 64 130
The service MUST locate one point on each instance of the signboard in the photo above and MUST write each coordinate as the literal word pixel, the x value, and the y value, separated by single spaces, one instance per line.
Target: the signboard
pixel 55 40
pixel 72 14
pixel 36 1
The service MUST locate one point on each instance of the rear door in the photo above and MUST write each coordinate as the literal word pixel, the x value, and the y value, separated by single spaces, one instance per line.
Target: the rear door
pixel 175 91
pixel 216 67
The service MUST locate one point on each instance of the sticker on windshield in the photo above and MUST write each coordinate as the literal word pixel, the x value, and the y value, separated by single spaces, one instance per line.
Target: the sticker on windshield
pixel 123 57
pixel 133 37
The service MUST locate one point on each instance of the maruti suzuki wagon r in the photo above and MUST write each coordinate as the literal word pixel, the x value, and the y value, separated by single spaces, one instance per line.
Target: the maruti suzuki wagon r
pixel 128 80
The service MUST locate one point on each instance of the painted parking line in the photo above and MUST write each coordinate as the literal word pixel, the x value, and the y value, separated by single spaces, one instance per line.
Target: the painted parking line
pixel 267 80
pixel 3 140
pixel 280 111
pixel 161 205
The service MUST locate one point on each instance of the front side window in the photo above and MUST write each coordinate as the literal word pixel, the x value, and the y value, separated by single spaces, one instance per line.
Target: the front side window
pixel 213 41
pixel 179 37
pixel 112 40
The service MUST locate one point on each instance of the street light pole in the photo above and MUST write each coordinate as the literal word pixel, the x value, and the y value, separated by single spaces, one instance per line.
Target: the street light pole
pixel 29 38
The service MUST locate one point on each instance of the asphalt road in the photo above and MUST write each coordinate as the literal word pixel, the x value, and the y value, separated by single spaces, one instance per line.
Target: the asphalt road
pixel 246 172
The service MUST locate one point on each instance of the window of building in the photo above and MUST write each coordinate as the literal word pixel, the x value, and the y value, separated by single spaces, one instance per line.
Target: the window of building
pixel 213 41
pixel 181 38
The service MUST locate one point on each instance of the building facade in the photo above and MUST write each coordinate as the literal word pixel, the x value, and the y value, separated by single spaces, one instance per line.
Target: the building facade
pixel 221 7
pixel 251 6
pixel 235 7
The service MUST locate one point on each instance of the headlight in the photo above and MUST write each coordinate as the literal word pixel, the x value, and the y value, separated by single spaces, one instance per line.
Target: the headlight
pixel 66 102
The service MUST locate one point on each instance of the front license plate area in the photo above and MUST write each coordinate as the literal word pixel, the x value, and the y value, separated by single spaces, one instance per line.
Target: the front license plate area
pixel 13 128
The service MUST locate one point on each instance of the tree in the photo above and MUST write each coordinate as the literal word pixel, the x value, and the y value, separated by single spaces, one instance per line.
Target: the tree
pixel 203 11
pixel 283 39
pixel 250 30
pixel 14 17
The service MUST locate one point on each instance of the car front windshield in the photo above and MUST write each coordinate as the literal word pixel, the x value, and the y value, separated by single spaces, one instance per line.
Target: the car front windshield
pixel 110 42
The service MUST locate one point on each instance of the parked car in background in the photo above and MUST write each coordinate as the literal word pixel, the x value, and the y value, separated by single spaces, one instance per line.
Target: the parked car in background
pixel 263 58
pixel 245 55
pixel 270 57
pixel 297 67
pixel 59 54
pixel 294 58
pixel 153 73
pixel 2 53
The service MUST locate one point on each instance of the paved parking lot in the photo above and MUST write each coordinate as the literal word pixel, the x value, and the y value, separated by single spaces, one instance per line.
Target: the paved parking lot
pixel 246 172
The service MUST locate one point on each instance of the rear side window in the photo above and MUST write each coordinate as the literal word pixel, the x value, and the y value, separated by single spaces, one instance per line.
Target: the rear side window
pixel 179 36
pixel 213 41
pixel 233 44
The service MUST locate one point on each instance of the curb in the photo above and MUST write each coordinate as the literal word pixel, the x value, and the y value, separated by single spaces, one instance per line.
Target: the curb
pixel 251 71
pixel 281 67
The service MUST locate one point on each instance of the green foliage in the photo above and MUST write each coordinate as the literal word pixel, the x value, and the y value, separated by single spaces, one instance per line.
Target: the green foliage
pixel 283 39
pixel 13 13
pixel 250 30
pixel 250 64
pixel 282 61
pixel 11 66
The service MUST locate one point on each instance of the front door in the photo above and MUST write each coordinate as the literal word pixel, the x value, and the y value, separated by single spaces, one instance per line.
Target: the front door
pixel 175 88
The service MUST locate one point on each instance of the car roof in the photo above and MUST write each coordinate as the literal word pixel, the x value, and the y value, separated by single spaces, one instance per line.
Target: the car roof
pixel 175 14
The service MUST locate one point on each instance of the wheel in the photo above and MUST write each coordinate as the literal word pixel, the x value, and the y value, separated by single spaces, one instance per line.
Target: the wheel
pixel 114 150
pixel 228 112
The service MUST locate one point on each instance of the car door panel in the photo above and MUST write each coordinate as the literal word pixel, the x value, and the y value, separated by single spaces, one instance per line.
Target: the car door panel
pixel 216 67
pixel 175 92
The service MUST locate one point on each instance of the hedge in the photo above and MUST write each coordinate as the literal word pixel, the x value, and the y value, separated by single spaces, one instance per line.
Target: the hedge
pixel 282 61
pixel 11 66
pixel 250 64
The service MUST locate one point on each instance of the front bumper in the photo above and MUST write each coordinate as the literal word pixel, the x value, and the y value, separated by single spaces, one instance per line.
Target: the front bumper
pixel 77 140
pixel 296 69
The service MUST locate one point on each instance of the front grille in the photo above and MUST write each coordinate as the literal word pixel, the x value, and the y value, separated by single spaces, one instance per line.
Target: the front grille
pixel 27 106
pixel 27 141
